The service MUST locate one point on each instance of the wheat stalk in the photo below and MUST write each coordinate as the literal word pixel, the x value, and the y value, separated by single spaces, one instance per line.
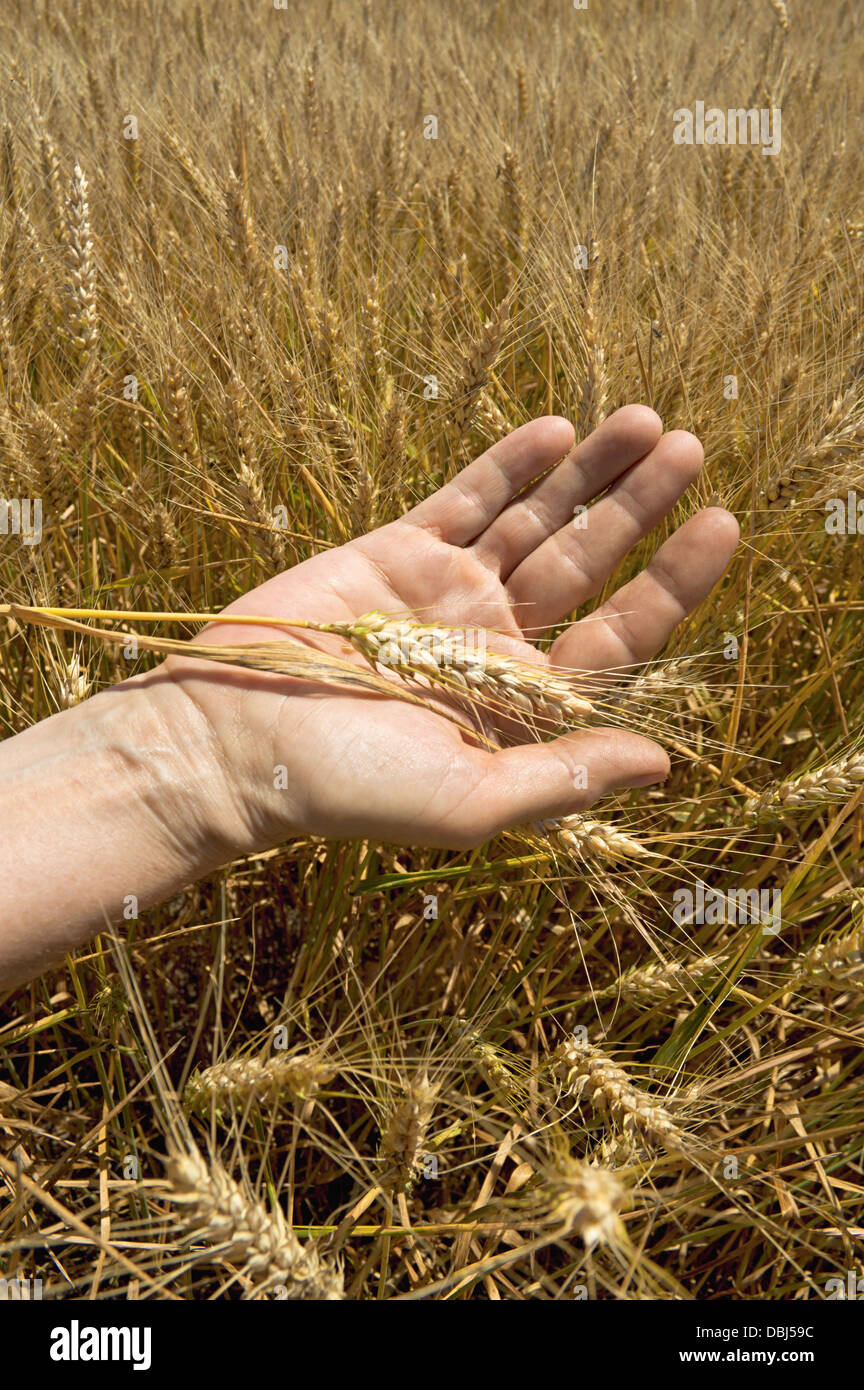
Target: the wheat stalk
pixel 289 659
pixel 596 390
pixel 444 657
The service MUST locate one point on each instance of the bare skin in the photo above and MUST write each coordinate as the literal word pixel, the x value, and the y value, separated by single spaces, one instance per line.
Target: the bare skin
pixel 169 774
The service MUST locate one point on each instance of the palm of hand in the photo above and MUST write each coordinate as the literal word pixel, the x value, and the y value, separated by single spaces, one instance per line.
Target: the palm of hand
pixel 475 554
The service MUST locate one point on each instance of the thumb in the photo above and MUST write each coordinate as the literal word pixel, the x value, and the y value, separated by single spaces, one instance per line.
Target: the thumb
pixel 547 780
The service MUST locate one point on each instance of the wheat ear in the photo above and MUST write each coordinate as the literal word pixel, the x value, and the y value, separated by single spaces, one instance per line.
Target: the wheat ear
pixel 404 1134
pixel 242 1080
pixel 585 1200
pixel 238 1228
pixel 838 962
pixel 664 980
pixel 278 658
pixel 82 275
pixel 584 1070
pixel 446 659
pixel 842 434
pixel 834 782
pixel 591 838
pixel 477 364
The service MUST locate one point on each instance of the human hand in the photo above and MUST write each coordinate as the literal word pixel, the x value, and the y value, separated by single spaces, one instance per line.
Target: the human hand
pixel 479 552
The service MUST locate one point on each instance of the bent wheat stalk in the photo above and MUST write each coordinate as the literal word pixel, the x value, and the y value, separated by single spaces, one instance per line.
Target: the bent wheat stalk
pixel 445 657
pixel 288 658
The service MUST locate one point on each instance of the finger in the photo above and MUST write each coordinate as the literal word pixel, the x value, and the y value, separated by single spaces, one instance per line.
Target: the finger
pixel 541 781
pixel 615 446
pixel 465 507
pixel 574 564
pixel 638 619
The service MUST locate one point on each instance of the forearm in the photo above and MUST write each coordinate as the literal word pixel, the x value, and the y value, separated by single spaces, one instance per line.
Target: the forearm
pixel 106 809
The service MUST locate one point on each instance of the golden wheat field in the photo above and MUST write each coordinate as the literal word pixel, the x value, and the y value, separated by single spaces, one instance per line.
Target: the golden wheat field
pixel 269 277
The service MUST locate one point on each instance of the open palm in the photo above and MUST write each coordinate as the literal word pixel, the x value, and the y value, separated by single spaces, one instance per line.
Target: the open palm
pixel 496 548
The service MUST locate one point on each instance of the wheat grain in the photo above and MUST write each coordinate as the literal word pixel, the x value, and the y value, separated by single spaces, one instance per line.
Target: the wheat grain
pixel 512 213
pixel 74 684
pixel 45 440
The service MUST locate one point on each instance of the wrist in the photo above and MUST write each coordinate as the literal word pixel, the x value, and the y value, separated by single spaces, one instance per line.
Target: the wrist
pixel 110 807
pixel 176 769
